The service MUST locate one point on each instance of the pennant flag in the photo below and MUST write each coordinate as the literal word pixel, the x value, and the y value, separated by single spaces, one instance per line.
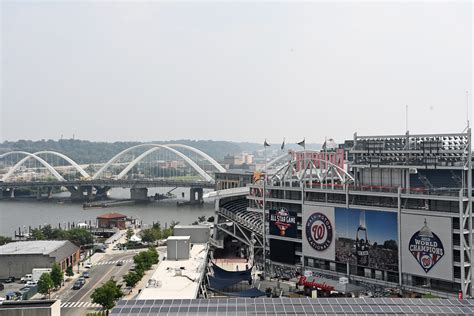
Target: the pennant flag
pixel 302 143
pixel 283 144
pixel 265 144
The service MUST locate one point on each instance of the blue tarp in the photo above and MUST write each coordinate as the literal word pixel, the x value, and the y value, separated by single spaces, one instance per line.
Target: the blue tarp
pixel 220 273
pixel 252 292
pixel 220 284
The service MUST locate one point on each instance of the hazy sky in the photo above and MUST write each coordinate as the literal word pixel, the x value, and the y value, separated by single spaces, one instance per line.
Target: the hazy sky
pixel 232 70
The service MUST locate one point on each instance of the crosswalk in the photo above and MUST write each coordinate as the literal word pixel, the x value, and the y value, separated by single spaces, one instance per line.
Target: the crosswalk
pixel 79 305
pixel 113 262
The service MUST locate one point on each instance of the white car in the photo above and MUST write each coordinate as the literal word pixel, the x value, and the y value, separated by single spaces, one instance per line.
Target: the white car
pixel 88 265
pixel 31 283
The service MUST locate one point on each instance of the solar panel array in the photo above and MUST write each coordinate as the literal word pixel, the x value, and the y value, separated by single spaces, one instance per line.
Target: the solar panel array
pixel 294 307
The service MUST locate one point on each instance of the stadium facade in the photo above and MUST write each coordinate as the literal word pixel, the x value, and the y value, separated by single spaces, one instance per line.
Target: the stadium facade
pixel 388 210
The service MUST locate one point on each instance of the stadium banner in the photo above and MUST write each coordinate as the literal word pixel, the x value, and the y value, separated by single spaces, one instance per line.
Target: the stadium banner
pixel 427 246
pixel 319 232
pixel 283 223
pixel 367 238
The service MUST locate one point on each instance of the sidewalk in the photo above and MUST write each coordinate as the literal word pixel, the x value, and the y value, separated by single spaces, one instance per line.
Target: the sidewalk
pixel 147 276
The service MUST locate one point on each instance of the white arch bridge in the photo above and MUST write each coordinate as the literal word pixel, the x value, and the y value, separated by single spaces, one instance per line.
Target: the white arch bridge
pixel 138 167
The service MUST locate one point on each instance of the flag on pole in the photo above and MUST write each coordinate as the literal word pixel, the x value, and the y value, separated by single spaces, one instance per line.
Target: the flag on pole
pixel 302 143
pixel 283 144
pixel 324 144
pixel 265 144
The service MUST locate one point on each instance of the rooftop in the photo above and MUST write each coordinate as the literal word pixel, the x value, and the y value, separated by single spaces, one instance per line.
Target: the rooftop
pixel 171 284
pixel 295 306
pixel 179 237
pixel 44 247
pixel 112 216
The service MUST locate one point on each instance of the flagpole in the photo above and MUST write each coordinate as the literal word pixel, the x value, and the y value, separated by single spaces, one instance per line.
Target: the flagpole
pixel 263 212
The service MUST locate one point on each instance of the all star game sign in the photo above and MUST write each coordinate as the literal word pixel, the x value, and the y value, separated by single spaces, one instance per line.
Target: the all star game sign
pixel 427 246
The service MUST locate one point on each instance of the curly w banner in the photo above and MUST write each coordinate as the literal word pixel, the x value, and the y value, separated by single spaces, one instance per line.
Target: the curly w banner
pixel 319 232
pixel 427 246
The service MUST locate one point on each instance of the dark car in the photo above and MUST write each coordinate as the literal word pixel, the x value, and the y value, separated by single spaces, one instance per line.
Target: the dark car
pixel 77 285
pixel 82 280
pixel 120 263
pixel 8 280
pixel 2 287
pixel 85 274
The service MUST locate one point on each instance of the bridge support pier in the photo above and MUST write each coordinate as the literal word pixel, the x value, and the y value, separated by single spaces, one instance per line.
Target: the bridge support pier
pixel 196 195
pixel 12 193
pixel 139 194
pixel 50 192
pixel 101 193
pixel 38 193
pixel 81 193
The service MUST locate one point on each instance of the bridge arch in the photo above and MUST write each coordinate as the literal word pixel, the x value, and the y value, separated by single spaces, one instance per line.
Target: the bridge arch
pixel 167 147
pixel 55 153
pixel 203 173
pixel 22 161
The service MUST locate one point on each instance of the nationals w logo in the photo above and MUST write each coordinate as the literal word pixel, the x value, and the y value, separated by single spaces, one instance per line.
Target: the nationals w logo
pixel 319 231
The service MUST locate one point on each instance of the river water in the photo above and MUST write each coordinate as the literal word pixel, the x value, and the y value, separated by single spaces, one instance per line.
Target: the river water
pixel 22 213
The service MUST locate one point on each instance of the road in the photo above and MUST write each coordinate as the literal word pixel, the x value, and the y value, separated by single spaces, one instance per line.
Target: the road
pixel 78 302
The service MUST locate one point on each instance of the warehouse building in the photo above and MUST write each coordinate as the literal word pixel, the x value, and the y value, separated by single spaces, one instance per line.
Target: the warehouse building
pixel 20 258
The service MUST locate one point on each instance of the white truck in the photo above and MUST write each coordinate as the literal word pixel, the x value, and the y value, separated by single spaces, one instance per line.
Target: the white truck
pixel 38 272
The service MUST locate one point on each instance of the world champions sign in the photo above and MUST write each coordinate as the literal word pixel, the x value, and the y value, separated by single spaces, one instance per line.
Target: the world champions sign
pixel 426 247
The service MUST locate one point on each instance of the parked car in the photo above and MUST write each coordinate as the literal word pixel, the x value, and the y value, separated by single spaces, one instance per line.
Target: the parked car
pixel 85 274
pixel 133 267
pixel 77 285
pixel 88 265
pixel 31 283
pixel 115 247
pixel 120 263
pixel 8 280
pixel 26 278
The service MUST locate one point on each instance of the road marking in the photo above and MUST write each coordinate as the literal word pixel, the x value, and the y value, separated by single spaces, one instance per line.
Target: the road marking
pixel 80 305
pixel 113 262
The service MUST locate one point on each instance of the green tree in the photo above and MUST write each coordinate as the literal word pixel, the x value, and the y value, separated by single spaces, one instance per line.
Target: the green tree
pixel 107 295
pixel 4 240
pixel 69 271
pixel 79 236
pixel 57 275
pixel 129 233
pixel 132 278
pixel 45 284
pixel 37 234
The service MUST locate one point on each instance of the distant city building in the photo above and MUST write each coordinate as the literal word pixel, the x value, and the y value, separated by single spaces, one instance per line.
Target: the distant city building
pixel 112 220
pixel 20 258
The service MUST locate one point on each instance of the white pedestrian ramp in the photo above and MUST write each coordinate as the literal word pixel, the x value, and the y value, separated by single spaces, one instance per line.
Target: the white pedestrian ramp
pixel 80 305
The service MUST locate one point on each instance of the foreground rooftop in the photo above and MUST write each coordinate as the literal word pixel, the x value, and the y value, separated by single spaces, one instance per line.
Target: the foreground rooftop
pixel 178 278
pixel 295 306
